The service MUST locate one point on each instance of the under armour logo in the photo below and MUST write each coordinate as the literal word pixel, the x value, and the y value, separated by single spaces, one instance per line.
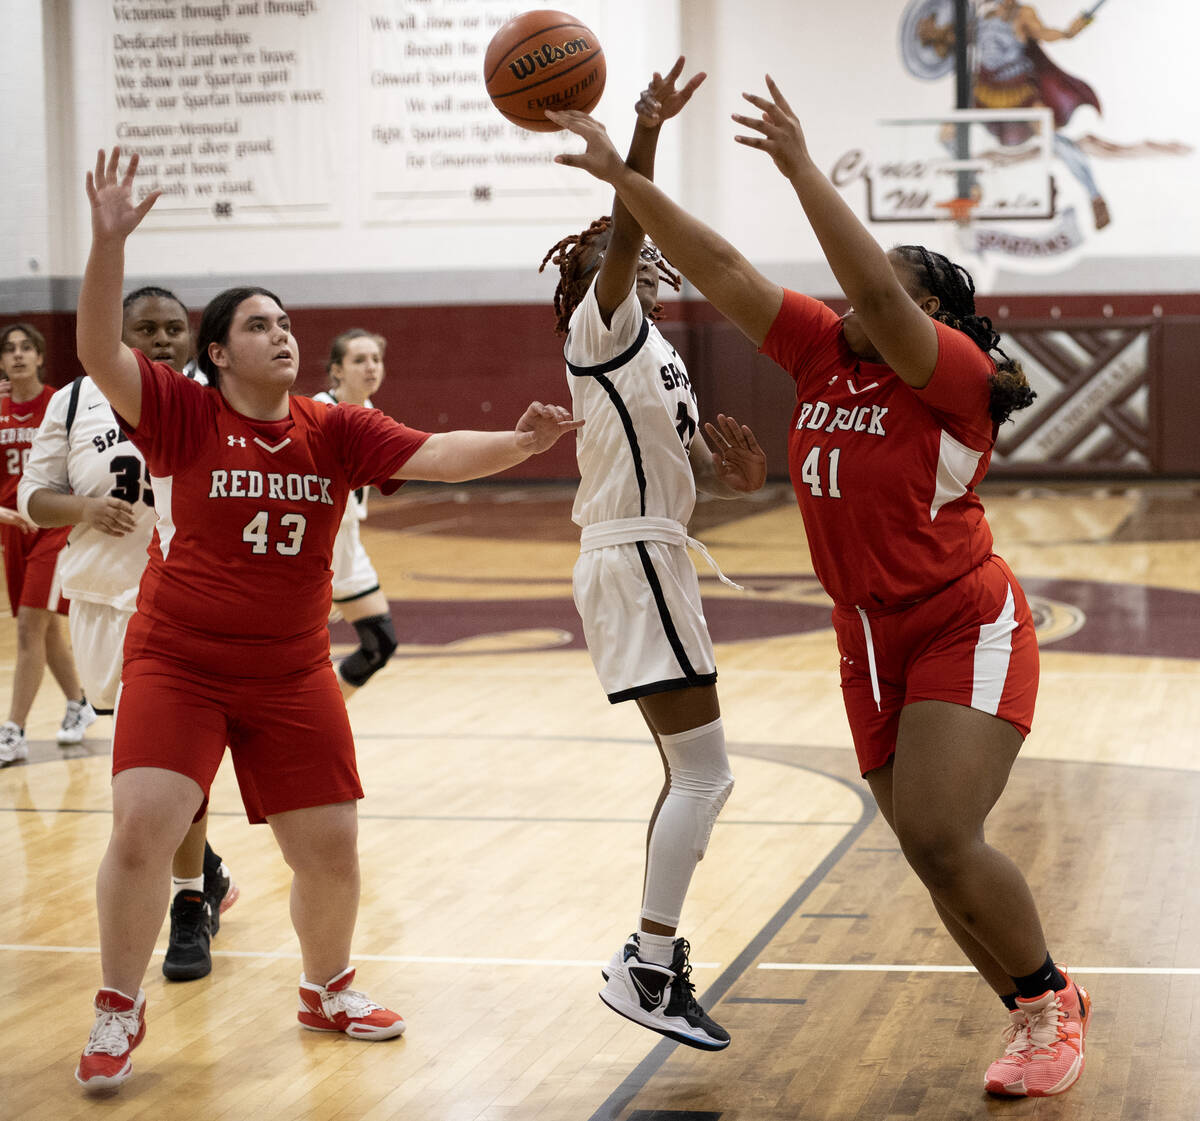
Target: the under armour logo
pixel 239 440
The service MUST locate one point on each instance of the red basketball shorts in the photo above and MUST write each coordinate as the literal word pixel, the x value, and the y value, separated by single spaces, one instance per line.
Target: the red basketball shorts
pixel 289 737
pixel 31 568
pixel 971 644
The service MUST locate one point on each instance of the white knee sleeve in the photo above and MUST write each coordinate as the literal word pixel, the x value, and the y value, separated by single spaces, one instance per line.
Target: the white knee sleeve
pixel 700 785
pixel 700 773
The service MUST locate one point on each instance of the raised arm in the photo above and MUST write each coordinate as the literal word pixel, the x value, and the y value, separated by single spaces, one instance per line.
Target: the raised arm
pixel 902 333
pixel 722 275
pixel 658 102
pixel 455 457
pixel 115 216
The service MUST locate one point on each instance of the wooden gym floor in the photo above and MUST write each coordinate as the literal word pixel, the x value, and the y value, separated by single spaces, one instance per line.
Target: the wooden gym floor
pixel 502 836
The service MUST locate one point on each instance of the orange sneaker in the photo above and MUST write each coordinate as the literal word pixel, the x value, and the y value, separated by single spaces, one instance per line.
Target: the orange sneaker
pixel 120 1026
pixel 337 1007
pixel 1007 1074
pixel 1058 1022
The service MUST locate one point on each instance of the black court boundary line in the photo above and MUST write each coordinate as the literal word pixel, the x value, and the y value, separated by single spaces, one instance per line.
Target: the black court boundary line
pixel 638 1078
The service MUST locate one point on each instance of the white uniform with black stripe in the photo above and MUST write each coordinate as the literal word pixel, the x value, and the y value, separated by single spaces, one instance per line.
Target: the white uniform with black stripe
pixel 100 573
pixel 353 574
pixel 635 586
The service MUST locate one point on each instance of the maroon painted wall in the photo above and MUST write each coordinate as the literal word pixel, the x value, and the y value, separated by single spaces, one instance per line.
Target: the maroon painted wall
pixel 479 366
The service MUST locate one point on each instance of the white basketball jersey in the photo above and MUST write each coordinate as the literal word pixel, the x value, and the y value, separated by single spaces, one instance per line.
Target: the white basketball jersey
pixel 631 387
pixel 356 504
pixel 95 459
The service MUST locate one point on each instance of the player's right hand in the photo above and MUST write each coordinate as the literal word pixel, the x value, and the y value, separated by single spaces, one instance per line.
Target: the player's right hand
pixel 601 158
pixel 109 515
pixel 660 100
pixel 114 213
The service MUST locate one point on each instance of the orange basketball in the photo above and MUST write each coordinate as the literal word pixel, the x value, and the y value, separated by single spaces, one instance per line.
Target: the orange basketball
pixel 543 60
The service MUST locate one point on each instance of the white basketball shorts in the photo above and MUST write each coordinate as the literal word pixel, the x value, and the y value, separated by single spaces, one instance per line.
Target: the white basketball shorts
pixel 98 640
pixel 642 618
pixel 353 573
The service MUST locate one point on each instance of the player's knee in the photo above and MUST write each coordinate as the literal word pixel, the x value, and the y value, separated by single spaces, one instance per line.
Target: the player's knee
pixel 377 643
pixel 700 772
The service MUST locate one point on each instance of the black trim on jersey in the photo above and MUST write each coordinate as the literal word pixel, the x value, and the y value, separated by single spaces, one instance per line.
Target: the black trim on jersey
pixel 73 404
pixel 618 402
pixel 664 616
pixel 620 360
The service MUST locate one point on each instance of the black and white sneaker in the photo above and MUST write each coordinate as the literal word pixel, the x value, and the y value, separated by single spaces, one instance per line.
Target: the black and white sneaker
pixel 661 998
pixel 189 956
pixel 631 947
pixel 220 892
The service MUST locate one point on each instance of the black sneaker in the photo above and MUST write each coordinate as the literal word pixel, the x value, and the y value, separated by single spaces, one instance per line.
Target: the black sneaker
pixel 662 999
pixel 188 955
pixel 219 889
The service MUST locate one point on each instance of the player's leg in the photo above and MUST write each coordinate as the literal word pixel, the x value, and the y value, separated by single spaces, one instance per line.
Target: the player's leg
pixel 152 809
pixel 649 979
pixel 951 765
pixel 320 845
pixel 201 889
pixel 33 624
pixel 371 618
pixel 60 657
pixel 160 783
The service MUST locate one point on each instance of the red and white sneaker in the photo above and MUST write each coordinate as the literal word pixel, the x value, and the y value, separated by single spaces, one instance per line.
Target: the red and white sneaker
pixel 1058 1021
pixel 337 1007
pixel 120 1026
pixel 1007 1074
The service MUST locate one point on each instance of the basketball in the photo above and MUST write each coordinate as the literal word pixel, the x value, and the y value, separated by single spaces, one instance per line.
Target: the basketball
pixel 543 60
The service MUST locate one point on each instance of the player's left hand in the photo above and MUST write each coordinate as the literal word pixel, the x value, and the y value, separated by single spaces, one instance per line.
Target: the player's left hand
pixel 541 426
pixel 781 137
pixel 660 100
pixel 740 463
pixel 600 158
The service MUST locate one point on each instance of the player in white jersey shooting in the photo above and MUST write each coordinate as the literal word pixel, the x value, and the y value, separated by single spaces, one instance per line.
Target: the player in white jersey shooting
pixel 640 463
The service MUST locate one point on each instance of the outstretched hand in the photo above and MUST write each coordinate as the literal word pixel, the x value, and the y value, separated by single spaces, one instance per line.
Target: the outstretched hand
pixel 660 100
pixel 780 134
pixel 739 462
pixel 600 157
pixel 541 426
pixel 114 213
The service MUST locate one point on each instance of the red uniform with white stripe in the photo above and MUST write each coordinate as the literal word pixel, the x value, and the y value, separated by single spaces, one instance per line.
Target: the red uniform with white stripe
pixel 884 475
pixel 229 643
pixel 30 559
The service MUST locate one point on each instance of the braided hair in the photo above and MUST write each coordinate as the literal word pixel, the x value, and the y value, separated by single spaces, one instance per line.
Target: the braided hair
pixel 955 290
pixel 578 256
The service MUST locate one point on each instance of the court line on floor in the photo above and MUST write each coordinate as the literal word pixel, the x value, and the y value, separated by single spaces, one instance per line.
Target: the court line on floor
pixel 585 963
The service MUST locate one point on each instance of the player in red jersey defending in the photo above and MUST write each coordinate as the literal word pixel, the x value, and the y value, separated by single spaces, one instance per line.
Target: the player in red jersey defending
pixel 897 408
pixel 229 642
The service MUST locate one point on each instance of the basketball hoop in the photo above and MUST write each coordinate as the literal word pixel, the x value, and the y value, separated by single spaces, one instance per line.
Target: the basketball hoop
pixel 959 209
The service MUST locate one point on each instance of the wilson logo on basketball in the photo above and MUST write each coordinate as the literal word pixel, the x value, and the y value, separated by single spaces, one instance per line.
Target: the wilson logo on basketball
pixel 528 64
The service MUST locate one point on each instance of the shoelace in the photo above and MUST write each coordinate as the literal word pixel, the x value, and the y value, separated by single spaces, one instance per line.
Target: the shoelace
pixel 1045 1026
pixel 683 978
pixel 356 1005
pixel 111 1033
pixel 1016 1036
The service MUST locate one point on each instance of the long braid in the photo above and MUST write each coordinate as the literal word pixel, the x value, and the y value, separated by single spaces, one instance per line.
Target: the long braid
pixel 955 290
pixel 577 257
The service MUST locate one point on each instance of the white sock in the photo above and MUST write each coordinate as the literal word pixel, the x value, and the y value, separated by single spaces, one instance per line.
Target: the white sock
pixel 657 948
pixel 195 884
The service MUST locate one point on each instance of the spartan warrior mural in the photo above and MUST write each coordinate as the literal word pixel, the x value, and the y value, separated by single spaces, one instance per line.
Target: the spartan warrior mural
pixel 1011 71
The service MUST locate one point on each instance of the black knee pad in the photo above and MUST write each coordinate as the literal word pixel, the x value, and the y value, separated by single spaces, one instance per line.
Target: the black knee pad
pixel 377 638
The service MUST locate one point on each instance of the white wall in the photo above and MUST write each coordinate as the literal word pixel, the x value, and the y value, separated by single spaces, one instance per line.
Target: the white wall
pixel 839 65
